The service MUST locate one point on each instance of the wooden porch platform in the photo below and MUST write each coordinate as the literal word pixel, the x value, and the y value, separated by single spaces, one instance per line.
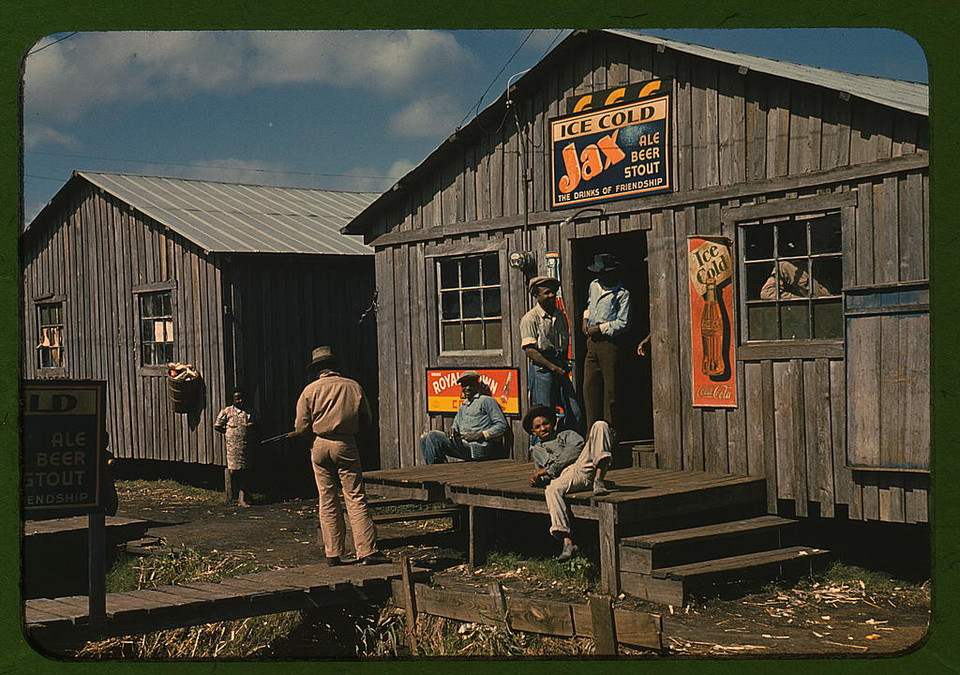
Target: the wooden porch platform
pixel 55 621
pixel 637 495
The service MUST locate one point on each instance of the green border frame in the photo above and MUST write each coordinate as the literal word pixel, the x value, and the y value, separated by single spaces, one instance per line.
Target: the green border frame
pixel 935 24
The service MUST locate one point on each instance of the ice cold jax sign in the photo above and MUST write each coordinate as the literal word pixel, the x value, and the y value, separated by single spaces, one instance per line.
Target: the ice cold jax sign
pixel 613 153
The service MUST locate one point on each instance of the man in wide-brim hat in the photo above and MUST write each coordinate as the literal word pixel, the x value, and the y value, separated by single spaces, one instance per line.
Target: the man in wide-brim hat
pixel 478 427
pixel 605 319
pixel 565 463
pixel 334 409
pixel 544 337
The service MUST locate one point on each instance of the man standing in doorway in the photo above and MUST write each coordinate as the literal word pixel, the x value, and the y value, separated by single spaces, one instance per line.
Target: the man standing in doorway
pixel 544 336
pixel 606 317
pixel 334 409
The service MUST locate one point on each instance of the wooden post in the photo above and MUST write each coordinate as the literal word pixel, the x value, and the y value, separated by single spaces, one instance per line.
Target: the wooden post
pixel 410 602
pixel 477 545
pixel 500 603
pixel 227 484
pixel 604 629
pixel 609 558
pixel 97 571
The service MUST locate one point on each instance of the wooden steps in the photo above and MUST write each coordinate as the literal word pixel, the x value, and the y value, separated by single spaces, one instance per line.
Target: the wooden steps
pixel 453 512
pixel 644 553
pixel 669 567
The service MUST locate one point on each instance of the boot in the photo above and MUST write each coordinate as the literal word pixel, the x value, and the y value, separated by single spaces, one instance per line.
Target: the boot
pixel 569 550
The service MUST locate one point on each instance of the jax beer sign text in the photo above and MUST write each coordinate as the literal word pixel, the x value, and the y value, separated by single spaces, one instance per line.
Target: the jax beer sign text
pixel 62 446
pixel 614 152
pixel 713 370
pixel 443 392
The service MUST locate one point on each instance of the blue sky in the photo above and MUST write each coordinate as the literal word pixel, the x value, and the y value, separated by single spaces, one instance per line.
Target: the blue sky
pixel 342 110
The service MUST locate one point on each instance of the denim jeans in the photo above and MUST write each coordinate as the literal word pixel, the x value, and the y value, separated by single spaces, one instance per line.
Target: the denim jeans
pixel 436 446
pixel 550 390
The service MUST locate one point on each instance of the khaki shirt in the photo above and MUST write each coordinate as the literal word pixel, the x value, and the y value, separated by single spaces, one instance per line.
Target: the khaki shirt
pixel 332 405
pixel 548 332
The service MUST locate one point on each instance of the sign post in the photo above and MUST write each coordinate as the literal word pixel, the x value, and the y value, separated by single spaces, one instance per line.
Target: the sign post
pixel 63 446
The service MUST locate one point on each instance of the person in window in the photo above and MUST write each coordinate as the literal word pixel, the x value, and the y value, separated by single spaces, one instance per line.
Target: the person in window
pixel 237 423
pixel 565 463
pixel 544 337
pixel 333 409
pixel 791 281
pixel 478 427
pixel 606 317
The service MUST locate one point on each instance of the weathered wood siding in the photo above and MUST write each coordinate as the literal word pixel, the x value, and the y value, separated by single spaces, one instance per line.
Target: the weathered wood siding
pixel 94 255
pixel 741 139
pixel 279 308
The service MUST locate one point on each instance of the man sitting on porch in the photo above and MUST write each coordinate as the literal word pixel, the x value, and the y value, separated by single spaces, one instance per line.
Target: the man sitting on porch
pixel 477 428
pixel 565 464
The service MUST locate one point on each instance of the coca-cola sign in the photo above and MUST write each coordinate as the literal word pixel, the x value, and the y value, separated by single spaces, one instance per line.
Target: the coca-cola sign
pixel 713 364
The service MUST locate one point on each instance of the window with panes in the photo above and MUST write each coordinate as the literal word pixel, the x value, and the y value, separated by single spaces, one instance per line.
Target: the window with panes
pixel 792 272
pixel 50 335
pixel 156 328
pixel 469 297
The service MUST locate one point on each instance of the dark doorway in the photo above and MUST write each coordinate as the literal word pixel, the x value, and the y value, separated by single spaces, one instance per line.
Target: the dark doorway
pixel 635 409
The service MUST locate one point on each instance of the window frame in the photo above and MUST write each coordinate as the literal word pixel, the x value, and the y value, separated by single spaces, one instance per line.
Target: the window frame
pixel 460 289
pixel 739 217
pixel 444 250
pixel 139 293
pixel 39 303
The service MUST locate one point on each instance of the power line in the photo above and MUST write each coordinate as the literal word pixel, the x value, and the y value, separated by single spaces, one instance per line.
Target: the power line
pixel 496 77
pixel 206 166
pixel 40 49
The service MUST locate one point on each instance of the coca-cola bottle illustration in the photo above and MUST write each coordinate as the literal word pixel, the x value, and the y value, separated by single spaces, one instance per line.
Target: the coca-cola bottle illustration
pixel 711 332
pixel 505 394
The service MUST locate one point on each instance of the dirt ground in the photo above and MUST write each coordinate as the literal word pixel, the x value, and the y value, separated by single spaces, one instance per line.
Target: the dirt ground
pixel 847 618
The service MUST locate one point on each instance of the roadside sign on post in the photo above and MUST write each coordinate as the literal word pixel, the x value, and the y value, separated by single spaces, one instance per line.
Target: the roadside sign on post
pixel 62 447
pixel 63 457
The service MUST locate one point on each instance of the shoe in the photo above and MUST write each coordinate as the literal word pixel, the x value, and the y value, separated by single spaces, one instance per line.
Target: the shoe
pixel 569 550
pixel 334 561
pixel 376 558
pixel 600 487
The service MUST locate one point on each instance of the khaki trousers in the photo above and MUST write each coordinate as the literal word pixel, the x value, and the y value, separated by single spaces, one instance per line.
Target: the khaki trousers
pixel 336 468
pixel 577 477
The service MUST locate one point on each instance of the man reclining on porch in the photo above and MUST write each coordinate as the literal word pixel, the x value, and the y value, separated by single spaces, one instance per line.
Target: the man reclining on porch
pixel 564 463
pixel 478 427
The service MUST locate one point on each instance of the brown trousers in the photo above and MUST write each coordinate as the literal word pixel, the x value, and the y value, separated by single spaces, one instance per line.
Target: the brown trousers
pixel 336 468
pixel 600 381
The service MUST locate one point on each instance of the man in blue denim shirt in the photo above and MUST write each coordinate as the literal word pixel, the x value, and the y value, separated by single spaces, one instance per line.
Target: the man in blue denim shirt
pixel 544 337
pixel 477 428
pixel 607 316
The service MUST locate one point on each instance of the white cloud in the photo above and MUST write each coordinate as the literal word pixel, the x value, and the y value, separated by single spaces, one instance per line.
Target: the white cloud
pixel 66 80
pixel 34 135
pixel 427 116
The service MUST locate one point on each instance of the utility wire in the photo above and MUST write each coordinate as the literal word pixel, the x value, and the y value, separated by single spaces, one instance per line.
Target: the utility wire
pixel 50 44
pixel 476 106
pixel 205 166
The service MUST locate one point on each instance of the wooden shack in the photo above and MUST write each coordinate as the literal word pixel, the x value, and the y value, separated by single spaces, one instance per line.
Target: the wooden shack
pixel 123 274
pixel 779 163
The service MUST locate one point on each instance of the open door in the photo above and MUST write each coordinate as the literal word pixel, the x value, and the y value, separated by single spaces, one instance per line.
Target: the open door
pixel 635 401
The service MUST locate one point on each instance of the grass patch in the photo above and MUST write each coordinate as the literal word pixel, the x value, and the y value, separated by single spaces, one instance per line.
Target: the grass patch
pixel 577 570
pixel 169 493
pixel 130 573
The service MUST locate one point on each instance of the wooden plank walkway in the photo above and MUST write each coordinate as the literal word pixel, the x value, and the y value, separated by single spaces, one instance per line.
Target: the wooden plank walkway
pixel 115 525
pixel 53 621
pixel 637 494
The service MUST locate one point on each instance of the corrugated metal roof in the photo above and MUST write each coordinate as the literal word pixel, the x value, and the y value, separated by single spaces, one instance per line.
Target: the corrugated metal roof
pixel 235 218
pixel 909 96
